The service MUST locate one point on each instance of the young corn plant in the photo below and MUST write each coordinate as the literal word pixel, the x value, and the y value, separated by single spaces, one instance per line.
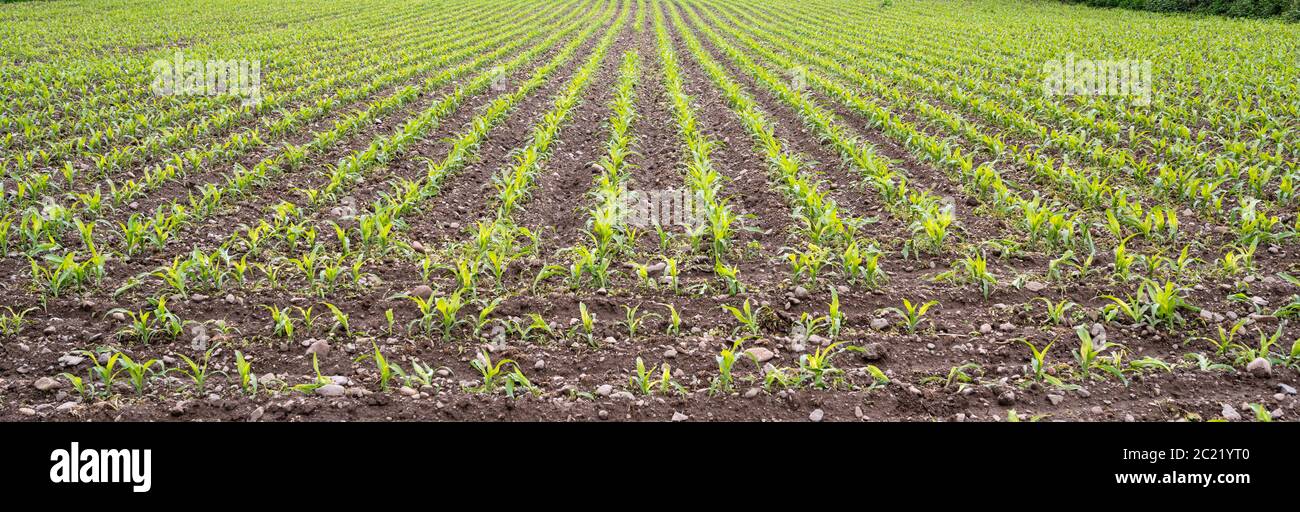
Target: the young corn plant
pixel 817 365
pixel 912 314
pixel 386 371
pixel 1245 353
pixel 588 323
pixel 308 388
pixel 141 326
pixel 283 325
pixel 973 269
pixel 139 374
pixel 105 372
pixel 1225 339
pixel 341 322
pixel 448 308
pixel 674 321
pixel 747 315
pixel 427 322
pixel 1205 364
pixel 485 316
pixel 807 265
pixel 808 326
pixel 1261 413
pixel 1038 363
pixel 495 376
pixel 932 229
pixel 1055 311
pixel 247 379
pixel 835 315
pixel 633 321
pixel 1164 303
pixel 730 276
pixel 198 371
pixel 1088 353
pixel 12 322
pixel 863 266
pixel 724 382
pixel 645 381
pixel 83 388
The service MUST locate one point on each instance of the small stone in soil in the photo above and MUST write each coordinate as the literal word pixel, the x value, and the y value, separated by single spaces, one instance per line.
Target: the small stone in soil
pixel 816 415
pixel 1230 413
pixel 1260 367
pixel 319 347
pixel 45 384
pixel 763 355
pixel 873 352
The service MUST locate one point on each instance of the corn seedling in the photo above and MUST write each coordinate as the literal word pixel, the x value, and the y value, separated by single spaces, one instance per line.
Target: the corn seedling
pixel 494 375
pixel 484 316
pixel 747 315
pixel 633 321
pixel 1261 413
pixel 12 322
pixel 83 388
pixel 817 365
pixel 448 307
pixel 1207 365
pixel 1038 363
pixel 835 316
pixel 724 382
pixel 198 372
pixel 386 371
pixel 340 320
pixel 645 381
pixel 247 379
pixel 912 314
pixel 138 374
pixel 674 321
pixel 282 322
pixel 1055 311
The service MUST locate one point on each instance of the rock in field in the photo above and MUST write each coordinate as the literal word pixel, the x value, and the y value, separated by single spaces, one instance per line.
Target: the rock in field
pixel 45 384
pixel 1260 367
pixel 319 347
pixel 1230 413
pixel 763 355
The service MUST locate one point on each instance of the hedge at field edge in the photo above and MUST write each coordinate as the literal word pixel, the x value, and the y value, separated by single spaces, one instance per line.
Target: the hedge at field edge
pixel 1288 9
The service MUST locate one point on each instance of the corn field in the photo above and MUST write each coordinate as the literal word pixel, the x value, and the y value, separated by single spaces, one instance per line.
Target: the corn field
pixel 663 210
